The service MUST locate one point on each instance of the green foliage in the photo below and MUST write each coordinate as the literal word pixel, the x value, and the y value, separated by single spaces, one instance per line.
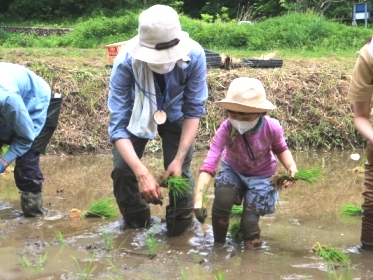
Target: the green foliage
pixel 303 31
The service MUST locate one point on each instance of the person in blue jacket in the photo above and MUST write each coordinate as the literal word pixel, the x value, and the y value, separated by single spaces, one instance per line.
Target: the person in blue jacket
pixel 157 86
pixel 28 117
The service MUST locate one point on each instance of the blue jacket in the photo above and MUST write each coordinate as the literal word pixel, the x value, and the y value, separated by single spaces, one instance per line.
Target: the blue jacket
pixel 24 101
pixel 185 97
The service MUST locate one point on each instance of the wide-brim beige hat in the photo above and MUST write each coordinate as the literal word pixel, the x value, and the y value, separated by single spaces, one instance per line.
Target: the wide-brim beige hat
pixel 246 95
pixel 160 38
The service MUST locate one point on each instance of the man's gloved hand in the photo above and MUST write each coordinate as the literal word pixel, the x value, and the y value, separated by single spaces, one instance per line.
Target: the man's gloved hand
pixel 2 167
pixel 201 214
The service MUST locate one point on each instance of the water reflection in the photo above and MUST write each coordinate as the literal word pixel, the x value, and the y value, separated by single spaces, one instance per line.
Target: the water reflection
pixel 305 214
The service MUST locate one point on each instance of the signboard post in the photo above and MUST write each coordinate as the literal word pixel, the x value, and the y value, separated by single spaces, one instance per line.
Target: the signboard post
pixel 361 11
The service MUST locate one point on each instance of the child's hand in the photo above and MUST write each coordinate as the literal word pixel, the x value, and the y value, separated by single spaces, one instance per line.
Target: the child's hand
pixel 201 214
pixel 290 182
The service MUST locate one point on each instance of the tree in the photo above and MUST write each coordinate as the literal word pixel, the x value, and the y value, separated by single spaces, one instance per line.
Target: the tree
pixel 318 6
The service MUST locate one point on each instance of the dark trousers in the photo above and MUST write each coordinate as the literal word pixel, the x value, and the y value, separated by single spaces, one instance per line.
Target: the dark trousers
pixel 126 187
pixel 27 173
pixel 367 206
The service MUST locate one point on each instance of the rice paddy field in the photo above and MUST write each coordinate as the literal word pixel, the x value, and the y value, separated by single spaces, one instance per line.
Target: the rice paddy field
pixel 297 238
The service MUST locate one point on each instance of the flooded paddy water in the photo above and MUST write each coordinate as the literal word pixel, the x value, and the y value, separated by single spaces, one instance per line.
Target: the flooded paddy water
pixel 56 247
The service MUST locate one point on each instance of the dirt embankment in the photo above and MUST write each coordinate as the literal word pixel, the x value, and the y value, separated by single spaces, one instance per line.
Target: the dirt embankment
pixel 310 96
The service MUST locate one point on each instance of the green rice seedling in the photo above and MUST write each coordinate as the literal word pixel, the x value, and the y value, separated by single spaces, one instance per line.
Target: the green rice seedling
pixel 351 210
pixel 152 245
pixel 310 176
pixel 236 210
pixel 85 272
pixel 25 263
pixel 183 276
pixel 102 208
pixel 115 270
pixel 177 186
pixel 40 262
pixel 330 254
pixel 235 231
pixel 219 276
pixel 108 241
pixel 61 239
pixel 205 199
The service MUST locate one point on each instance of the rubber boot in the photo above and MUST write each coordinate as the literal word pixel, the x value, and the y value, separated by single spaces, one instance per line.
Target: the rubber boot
pixel 31 203
pixel 250 229
pixel 137 216
pixel 178 220
pixel 367 206
pixel 219 227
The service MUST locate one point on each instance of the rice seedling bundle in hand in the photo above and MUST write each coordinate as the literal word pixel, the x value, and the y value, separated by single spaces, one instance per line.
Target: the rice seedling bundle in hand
pixel 236 210
pixel 310 176
pixel 102 208
pixel 351 210
pixel 329 253
pixel 178 185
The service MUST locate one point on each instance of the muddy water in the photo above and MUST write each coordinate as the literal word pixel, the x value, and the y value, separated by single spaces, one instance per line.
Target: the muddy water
pixel 56 247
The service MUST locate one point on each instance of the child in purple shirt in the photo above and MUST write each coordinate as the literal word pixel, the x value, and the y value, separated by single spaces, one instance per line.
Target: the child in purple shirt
pixel 247 143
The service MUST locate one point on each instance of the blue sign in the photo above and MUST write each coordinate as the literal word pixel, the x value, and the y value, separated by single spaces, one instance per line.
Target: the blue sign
pixel 361 11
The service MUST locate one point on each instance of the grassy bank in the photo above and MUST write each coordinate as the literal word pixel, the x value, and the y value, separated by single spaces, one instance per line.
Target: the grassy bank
pixel 310 95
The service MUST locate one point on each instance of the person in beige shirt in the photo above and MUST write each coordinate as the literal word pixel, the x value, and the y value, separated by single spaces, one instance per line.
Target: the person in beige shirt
pixel 360 92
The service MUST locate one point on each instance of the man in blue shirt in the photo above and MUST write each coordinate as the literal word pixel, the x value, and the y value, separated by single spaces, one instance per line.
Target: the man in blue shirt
pixel 157 85
pixel 28 118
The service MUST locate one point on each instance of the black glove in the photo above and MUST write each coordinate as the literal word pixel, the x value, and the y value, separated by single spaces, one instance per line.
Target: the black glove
pixel 201 214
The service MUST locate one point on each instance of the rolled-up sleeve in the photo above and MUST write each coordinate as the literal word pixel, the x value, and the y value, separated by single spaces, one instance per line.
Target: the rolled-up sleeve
pixel 13 110
pixel 120 98
pixel 195 92
pixel 361 85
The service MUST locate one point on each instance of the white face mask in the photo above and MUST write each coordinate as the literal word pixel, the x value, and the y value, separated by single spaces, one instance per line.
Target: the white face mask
pixel 162 68
pixel 243 126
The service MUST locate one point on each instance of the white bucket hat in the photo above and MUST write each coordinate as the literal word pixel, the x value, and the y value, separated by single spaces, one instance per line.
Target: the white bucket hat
pixel 246 95
pixel 160 38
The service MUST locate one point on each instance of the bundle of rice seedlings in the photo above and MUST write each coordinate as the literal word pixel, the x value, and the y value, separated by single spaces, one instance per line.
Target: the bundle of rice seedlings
pixel 235 231
pixel 351 210
pixel 236 210
pixel 309 176
pixel 177 186
pixel 330 254
pixel 102 208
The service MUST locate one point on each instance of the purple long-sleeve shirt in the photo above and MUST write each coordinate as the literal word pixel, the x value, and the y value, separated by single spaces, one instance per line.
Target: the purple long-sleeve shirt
pixel 267 142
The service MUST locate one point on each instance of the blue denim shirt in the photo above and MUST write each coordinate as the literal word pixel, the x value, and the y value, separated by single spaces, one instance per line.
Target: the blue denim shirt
pixel 24 100
pixel 185 95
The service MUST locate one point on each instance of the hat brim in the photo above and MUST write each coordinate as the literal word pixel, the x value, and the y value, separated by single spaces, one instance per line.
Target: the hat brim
pixel 159 56
pixel 238 107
